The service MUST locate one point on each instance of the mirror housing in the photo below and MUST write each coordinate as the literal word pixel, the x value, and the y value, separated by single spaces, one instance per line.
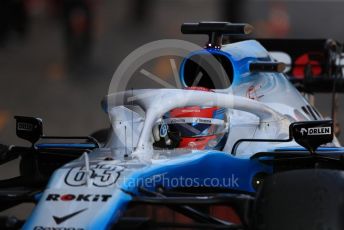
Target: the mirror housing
pixel 29 128
pixel 312 134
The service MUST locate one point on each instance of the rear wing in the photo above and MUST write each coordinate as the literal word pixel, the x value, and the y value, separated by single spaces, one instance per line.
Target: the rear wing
pixel 313 65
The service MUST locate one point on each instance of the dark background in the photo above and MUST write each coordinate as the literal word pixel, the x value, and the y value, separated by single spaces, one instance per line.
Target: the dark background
pixel 57 57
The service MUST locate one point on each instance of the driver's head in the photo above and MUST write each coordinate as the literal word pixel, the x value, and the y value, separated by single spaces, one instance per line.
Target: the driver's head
pixel 194 127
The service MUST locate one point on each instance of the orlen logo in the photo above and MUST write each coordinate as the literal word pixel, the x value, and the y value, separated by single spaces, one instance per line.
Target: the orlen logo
pixel 79 197
pixel 24 126
pixel 316 131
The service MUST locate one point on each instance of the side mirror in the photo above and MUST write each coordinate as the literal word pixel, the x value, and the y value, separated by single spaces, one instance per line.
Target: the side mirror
pixel 29 128
pixel 312 134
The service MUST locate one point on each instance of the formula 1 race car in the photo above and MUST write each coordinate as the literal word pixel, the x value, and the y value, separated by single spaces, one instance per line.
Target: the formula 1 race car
pixel 248 143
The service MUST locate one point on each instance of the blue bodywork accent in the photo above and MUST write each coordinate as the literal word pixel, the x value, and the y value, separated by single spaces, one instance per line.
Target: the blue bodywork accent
pixel 200 166
pixel 240 54
pixel 38 196
pixel 320 149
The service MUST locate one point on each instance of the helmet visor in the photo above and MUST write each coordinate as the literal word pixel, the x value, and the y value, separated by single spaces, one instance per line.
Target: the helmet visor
pixel 196 127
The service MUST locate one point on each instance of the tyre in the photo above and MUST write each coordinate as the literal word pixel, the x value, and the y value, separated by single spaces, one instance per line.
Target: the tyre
pixel 301 200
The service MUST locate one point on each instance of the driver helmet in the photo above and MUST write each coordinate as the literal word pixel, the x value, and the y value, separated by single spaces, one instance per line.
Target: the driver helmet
pixel 195 127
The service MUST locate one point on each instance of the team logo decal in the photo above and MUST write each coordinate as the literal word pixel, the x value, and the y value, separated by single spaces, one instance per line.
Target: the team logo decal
pixel 163 129
pixel 62 219
pixel 316 131
pixel 79 197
